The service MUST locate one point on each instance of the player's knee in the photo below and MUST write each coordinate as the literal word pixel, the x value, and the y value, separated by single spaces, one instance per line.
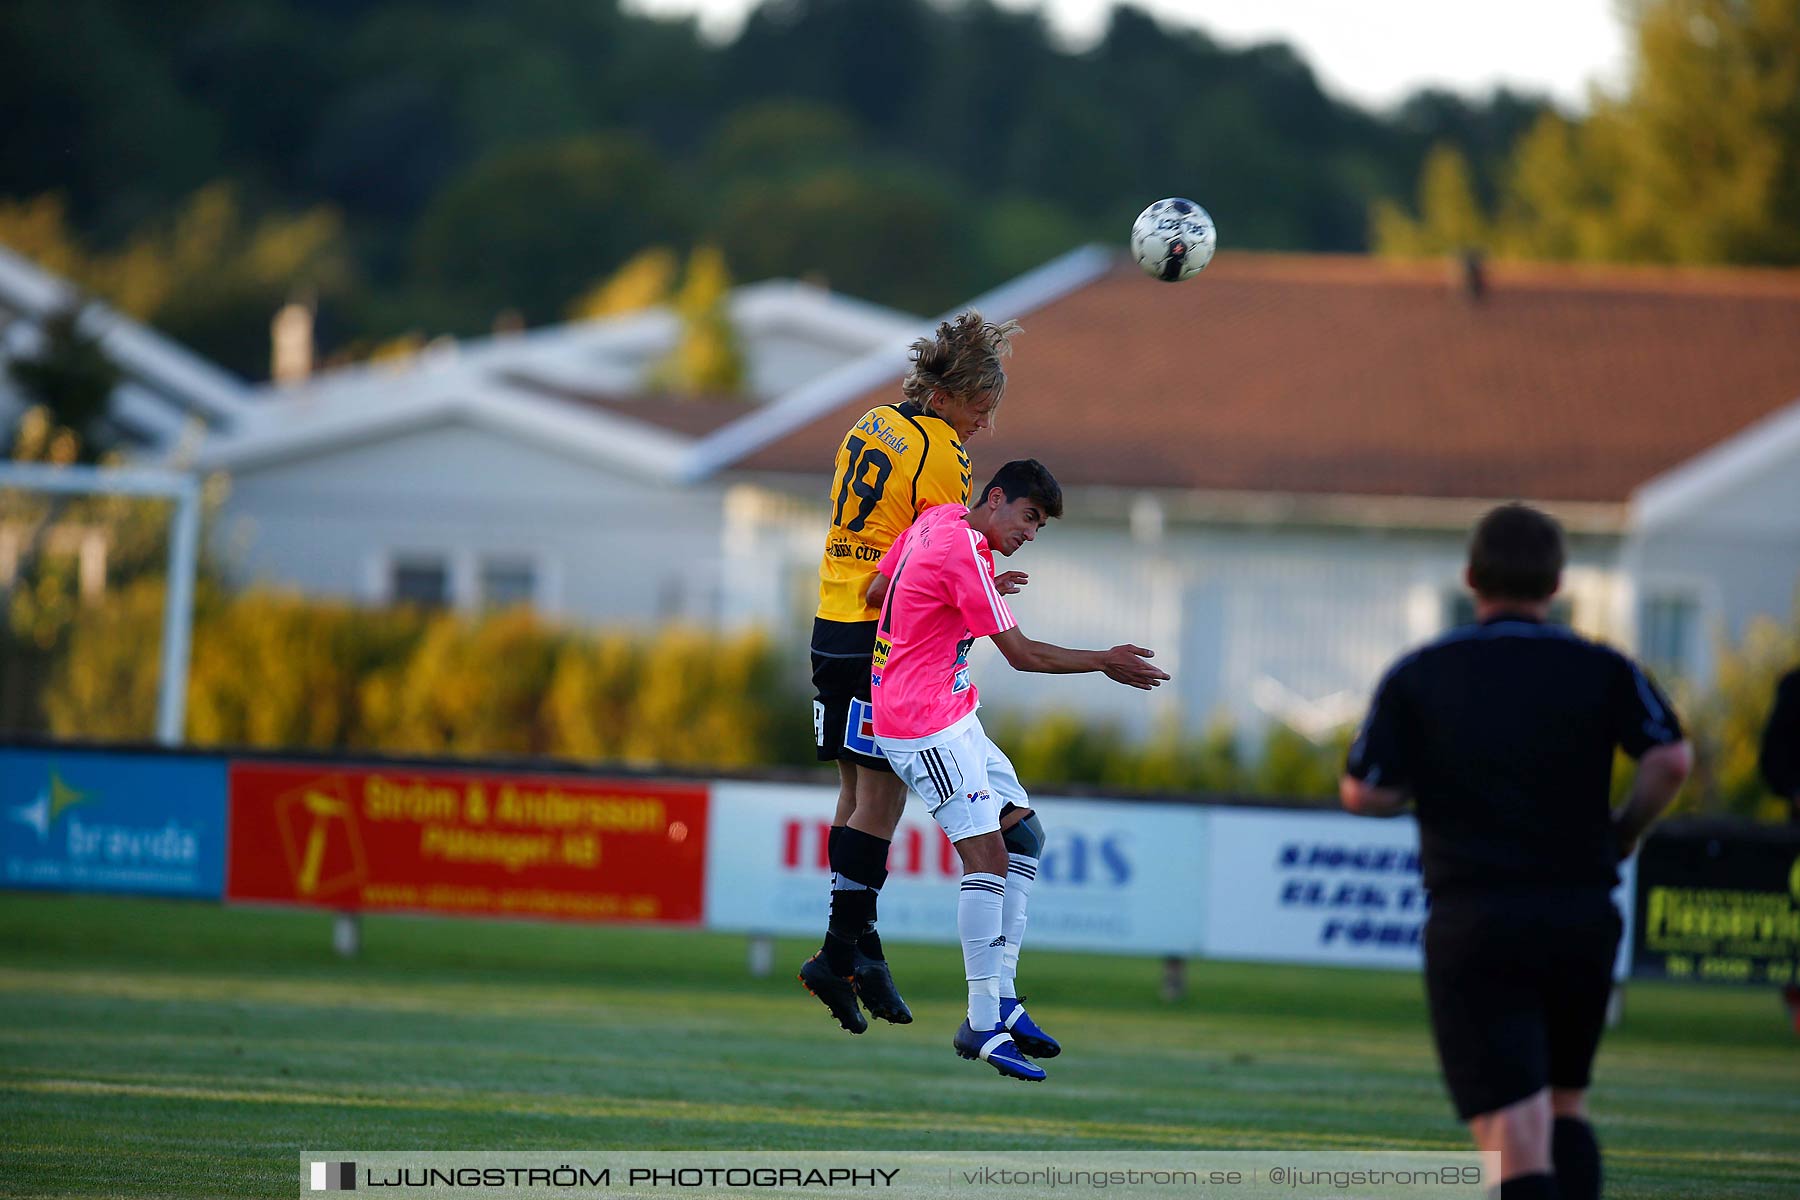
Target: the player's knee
pixel 1026 837
pixel 984 853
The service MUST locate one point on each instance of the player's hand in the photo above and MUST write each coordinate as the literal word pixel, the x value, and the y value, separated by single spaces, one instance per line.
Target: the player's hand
pixel 1010 582
pixel 1126 664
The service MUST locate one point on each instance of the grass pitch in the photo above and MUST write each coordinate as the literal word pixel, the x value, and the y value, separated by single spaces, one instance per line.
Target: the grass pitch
pixel 175 1049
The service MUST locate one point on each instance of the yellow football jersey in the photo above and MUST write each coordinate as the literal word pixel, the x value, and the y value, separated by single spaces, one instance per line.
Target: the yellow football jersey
pixel 896 462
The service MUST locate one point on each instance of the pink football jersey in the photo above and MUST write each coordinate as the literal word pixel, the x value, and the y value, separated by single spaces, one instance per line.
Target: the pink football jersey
pixel 941 597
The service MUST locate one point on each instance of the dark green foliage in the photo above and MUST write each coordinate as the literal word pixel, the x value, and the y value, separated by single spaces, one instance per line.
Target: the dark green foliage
pixel 530 228
pixel 71 377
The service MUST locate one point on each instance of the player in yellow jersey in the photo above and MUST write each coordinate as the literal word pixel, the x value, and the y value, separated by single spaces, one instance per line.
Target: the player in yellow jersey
pixel 896 461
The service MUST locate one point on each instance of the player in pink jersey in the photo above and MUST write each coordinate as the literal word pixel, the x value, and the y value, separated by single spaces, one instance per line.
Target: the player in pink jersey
pixel 937 595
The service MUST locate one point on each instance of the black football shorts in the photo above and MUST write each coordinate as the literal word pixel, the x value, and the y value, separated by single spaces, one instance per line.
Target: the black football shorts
pixel 1518 983
pixel 843 721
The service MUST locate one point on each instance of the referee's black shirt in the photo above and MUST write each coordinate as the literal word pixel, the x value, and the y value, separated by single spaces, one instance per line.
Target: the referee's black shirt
pixel 1504 733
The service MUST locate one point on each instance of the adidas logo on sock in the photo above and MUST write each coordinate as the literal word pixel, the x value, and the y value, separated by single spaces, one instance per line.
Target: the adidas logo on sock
pixel 999 941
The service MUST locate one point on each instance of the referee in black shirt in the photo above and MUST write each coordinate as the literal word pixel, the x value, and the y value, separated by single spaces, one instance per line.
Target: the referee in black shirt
pixel 1501 735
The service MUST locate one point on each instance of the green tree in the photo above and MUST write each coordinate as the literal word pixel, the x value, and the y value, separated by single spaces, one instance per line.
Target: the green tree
pixel 468 688
pixel 894 236
pixel 707 358
pixel 273 668
pixel 530 228
pixel 1698 161
pixel 1727 723
pixel 1710 133
pixel 1555 205
pixel 211 275
pixel 643 282
pixel 781 139
pixel 70 377
pixel 1450 217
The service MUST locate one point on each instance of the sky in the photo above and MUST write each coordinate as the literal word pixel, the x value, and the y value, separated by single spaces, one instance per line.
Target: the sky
pixel 1373 52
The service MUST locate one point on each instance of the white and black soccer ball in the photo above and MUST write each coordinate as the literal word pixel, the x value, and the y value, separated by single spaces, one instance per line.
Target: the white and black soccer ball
pixel 1173 239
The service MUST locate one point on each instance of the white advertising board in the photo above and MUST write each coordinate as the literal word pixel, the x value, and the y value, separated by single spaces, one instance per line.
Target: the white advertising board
pixel 1324 887
pixel 1127 878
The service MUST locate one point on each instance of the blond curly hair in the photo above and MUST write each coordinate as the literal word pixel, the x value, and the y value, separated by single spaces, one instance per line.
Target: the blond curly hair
pixel 962 360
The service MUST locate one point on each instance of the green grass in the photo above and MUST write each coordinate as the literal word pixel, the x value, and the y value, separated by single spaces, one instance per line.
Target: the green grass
pixel 186 1050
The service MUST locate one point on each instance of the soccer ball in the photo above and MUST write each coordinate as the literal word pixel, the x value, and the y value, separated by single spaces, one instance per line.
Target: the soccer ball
pixel 1173 239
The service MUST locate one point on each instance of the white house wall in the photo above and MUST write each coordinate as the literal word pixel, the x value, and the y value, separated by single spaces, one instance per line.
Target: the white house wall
pixel 606 547
pixel 1737 554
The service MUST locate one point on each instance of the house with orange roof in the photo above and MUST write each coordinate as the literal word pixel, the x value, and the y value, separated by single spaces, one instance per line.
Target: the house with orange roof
pixel 1271 469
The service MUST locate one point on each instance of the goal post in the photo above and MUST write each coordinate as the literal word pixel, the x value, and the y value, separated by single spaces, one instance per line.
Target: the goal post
pixel 184 555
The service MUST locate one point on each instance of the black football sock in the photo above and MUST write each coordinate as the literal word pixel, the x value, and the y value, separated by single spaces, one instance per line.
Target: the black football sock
pixel 870 942
pixel 1576 1155
pixel 833 855
pixel 861 870
pixel 851 913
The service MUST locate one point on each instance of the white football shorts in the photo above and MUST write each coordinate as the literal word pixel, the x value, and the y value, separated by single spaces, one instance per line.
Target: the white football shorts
pixel 964 780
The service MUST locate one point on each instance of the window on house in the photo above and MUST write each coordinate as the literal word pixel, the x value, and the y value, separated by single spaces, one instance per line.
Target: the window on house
pixel 423 580
pixel 1666 631
pixel 506 582
pixel 1459 609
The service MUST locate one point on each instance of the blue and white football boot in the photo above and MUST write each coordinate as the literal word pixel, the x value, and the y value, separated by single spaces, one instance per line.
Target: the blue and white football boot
pixel 995 1047
pixel 1025 1031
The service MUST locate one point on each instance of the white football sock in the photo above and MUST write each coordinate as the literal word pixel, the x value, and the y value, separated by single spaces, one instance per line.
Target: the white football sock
pixel 1021 873
pixel 980 922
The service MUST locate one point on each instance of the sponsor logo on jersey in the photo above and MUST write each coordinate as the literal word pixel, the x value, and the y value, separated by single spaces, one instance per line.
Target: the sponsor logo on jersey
pixel 877 427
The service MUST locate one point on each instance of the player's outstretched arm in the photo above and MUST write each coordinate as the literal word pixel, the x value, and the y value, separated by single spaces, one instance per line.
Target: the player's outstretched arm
pixel 1122 664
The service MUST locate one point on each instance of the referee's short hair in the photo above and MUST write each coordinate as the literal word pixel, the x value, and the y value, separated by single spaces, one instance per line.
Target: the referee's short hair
pixel 1516 554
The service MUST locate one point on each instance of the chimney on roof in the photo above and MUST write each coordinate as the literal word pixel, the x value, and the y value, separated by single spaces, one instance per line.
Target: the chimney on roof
pixel 291 342
pixel 1472 273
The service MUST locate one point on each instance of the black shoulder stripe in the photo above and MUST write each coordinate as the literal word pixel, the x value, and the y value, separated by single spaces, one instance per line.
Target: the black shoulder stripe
pixel 912 413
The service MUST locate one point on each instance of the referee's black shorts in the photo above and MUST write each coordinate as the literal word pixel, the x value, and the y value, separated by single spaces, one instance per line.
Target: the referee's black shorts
pixel 841 657
pixel 1518 982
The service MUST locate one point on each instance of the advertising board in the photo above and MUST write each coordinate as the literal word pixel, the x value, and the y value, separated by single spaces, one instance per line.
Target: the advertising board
pixel 82 821
pixel 1118 877
pixel 1719 904
pixel 1319 886
pixel 479 843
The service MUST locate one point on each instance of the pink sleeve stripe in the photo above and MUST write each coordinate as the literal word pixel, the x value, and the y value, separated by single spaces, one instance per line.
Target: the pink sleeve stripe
pixel 1003 618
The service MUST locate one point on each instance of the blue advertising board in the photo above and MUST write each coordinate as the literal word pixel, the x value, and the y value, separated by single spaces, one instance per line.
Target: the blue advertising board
pixel 85 821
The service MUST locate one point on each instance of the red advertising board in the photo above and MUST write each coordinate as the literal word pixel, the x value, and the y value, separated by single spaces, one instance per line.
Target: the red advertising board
pixel 474 843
